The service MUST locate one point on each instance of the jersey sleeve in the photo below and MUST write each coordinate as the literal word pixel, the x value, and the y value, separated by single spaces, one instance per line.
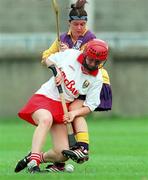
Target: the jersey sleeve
pixel 53 49
pixel 60 58
pixel 93 96
pixel 105 76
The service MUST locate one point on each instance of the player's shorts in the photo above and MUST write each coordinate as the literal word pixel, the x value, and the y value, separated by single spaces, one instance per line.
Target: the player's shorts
pixel 38 101
pixel 105 98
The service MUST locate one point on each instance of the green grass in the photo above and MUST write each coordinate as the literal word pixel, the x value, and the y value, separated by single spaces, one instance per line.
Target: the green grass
pixel 118 150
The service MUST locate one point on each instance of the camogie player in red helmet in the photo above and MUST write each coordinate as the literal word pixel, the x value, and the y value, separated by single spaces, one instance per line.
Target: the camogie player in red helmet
pixel 77 37
pixel 78 76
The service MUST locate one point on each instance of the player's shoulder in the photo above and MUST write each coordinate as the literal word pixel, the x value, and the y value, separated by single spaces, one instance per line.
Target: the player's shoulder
pixel 72 52
pixel 99 76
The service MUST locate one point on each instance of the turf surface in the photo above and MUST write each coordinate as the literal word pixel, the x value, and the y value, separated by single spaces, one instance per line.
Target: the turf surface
pixel 118 150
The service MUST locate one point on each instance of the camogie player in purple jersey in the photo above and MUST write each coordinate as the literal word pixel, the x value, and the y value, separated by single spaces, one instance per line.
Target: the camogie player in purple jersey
pixel 76 38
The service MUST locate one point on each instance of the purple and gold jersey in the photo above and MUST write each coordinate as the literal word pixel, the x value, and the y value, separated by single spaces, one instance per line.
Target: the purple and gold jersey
pixel 80 43
pixel 67 39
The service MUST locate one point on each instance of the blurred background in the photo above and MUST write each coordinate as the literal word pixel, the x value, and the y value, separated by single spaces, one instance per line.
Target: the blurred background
pixel 28 27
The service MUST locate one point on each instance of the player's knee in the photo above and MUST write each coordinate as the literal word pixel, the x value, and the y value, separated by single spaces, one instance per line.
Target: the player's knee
pixel 45 122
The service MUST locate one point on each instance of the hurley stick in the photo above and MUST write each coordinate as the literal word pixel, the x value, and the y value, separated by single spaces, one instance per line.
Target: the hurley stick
pixel 71 137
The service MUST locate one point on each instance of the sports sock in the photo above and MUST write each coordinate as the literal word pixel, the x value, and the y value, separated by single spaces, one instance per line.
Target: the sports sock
pixel 83 139
pixel 36 157
pixel 84 145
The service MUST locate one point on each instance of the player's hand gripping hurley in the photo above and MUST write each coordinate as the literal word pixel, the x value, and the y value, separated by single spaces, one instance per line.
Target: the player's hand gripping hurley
pixel 70 132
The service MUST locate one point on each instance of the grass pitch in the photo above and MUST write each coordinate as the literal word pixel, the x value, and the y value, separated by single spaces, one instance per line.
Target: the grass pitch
pixel 118 150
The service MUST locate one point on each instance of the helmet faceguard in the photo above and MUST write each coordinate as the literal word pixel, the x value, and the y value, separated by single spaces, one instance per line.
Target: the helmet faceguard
pixel 87 61
pixel 95 50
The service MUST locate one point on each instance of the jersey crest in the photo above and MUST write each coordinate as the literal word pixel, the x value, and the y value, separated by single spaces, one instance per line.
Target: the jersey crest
pixel 85 84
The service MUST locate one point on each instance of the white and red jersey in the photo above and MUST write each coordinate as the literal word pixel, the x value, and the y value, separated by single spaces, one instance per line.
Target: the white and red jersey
pixel 75 81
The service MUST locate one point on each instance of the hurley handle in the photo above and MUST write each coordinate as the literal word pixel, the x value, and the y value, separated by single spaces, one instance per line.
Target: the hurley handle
pixel 54 70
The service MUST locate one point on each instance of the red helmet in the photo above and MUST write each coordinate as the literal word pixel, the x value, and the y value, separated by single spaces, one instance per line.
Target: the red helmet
pixel 96 49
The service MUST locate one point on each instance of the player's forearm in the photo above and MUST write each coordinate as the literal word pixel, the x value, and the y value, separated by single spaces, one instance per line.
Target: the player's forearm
pixel 83 111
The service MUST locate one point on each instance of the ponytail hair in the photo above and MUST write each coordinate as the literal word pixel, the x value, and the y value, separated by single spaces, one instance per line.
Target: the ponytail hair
pixel 78 11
